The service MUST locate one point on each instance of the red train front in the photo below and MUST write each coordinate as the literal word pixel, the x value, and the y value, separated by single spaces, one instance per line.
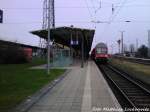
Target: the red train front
pixel 100 53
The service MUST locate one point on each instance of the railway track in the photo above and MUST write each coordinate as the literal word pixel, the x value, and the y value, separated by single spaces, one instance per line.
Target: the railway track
pixel 135 94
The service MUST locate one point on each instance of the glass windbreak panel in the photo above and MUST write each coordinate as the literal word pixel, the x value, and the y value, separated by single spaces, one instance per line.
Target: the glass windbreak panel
pixel 61 58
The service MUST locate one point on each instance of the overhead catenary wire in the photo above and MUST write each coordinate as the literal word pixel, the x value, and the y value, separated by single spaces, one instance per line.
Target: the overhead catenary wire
pixel 117 12
pixel 80 7
pixel 100 6
pixel 94 13
pixel 112 17
pixel 87 6
pixel 93 5
pixel 109 3
pixel 91 16
pixel 38 22
pixel 20 23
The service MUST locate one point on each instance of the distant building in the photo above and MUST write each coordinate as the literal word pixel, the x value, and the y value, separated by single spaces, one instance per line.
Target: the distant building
pixel 148 43
pixel 30 51
pixel 1 16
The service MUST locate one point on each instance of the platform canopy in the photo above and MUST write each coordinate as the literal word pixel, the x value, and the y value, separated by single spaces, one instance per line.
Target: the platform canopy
pixel 64 36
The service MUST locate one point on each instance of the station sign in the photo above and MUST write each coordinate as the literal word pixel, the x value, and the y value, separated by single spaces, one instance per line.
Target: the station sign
pixel 1 16
pixel 74 42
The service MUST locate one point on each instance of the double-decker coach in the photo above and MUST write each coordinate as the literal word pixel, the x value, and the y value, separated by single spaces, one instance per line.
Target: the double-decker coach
pixel 100 52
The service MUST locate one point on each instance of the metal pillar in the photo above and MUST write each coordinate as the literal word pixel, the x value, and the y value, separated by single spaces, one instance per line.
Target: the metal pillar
pixel 122 42
pixel 48 41
pixel 71 49
pixel 82 51
pixel 53 13
pixel 71 44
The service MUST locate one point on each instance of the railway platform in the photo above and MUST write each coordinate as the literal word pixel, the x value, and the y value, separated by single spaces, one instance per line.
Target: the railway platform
pixel 82 90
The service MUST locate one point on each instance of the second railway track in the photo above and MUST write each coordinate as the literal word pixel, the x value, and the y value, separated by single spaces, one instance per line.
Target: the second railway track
pixel 135 94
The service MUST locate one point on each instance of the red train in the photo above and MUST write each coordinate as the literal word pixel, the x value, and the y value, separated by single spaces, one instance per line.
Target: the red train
pixel 100 53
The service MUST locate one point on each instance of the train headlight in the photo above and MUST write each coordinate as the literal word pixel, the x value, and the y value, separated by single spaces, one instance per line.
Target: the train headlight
pixel 106 55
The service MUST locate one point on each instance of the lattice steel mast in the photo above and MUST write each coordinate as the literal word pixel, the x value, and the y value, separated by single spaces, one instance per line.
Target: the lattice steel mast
pixel 46 5
pixel 48 23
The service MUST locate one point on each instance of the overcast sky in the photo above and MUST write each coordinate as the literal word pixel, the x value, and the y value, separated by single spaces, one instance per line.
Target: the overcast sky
pixel 23 16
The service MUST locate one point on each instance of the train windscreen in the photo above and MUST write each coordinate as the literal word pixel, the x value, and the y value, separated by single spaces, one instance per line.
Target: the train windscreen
pixel 101 50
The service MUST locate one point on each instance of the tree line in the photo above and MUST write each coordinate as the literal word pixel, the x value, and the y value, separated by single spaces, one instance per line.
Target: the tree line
pixel 141 52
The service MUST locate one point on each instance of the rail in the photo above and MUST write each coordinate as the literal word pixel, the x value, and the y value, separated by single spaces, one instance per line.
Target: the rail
pixel 136 95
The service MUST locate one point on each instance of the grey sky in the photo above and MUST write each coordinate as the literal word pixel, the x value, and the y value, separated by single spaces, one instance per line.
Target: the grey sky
pixel 22 16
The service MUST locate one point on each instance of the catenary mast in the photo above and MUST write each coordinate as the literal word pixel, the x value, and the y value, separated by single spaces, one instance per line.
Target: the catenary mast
pixel 48 23
pixel 46 5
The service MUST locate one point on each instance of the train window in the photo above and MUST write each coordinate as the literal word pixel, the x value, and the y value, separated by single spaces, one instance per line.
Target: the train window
pixel 101 50
pixel 98 50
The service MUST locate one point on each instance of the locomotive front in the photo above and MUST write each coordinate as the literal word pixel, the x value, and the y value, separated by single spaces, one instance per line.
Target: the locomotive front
pixel 101 52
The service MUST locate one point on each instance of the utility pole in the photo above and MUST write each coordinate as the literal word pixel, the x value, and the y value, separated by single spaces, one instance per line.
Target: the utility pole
pixel 148 43
pixel 122 42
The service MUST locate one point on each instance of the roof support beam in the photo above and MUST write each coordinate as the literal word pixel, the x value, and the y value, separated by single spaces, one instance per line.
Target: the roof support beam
pixel 82 52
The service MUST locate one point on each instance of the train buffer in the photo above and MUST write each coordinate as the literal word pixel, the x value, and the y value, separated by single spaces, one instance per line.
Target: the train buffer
pixel 81 90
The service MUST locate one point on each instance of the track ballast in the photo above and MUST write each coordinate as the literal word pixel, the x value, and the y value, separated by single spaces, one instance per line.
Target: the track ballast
pixel 136 95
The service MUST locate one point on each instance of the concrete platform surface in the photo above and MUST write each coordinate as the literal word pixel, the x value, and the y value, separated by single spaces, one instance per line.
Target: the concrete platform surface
pixel 82 90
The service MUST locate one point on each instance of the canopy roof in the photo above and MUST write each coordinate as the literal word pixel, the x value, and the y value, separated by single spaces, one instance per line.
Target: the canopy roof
pixel 62 35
